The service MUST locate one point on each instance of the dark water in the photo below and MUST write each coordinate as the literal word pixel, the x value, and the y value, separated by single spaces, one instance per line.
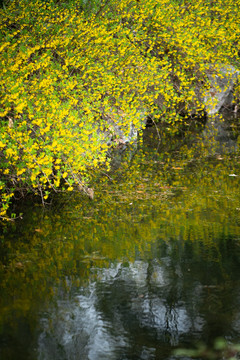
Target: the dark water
pixel 152 264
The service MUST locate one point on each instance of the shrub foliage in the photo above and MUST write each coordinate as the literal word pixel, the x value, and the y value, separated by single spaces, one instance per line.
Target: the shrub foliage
pixel 68 70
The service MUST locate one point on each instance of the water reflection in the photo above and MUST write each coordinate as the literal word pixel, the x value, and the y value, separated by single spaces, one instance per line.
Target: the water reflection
pixel 123 315
pixel 141 310
pixel 152 263
pixel 222 134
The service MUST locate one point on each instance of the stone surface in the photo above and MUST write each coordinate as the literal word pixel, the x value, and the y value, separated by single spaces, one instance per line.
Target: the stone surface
pixel 123 134
pixel 222 82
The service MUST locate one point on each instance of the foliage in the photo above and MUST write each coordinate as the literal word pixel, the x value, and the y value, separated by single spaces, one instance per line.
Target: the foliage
pixel 72 70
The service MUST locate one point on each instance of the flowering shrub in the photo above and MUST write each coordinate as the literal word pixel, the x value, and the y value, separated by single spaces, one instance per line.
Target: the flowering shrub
pixel 66 68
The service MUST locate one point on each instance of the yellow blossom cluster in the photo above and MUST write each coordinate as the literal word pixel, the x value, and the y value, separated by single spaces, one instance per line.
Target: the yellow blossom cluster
pixel 65 71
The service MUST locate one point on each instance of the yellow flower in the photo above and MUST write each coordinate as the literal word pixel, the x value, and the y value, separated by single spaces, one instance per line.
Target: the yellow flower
pixel 20 107
pixel 10 152
pixel 20 172
pixel 2 145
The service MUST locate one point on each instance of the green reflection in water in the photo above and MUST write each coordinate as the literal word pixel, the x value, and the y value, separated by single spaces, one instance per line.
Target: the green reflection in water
pixel 184 202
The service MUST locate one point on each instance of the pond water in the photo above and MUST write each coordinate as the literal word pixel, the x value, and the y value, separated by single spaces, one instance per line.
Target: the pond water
pixel 150 265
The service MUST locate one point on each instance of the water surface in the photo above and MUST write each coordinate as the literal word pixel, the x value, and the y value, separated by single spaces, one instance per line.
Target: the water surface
pixel 150 265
